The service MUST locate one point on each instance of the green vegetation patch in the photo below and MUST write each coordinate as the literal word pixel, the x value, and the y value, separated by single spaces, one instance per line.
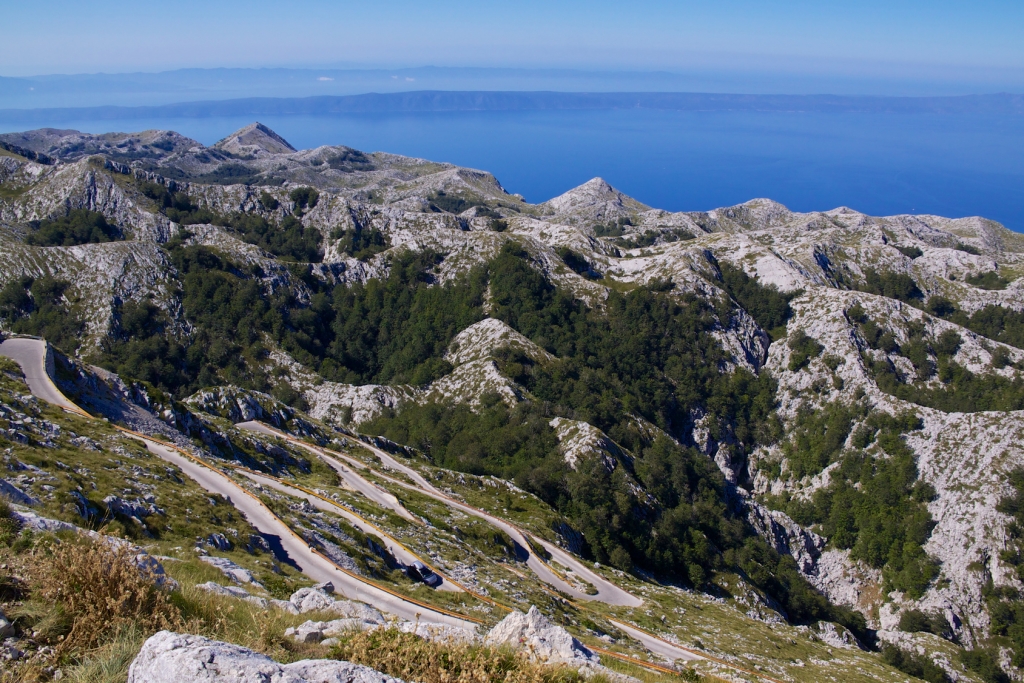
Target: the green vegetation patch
pixel 42 307
pixel 648 353
pixel 360 242
pixel 289 239
pixel 80 226
pixel 875 505
pixel 818 437
pixel 892 285
pixel 391 330
pixel 990 280
pixel 803 348
pixel 766 304
pixel 1005 603
pixel 959 389
pixel 442 202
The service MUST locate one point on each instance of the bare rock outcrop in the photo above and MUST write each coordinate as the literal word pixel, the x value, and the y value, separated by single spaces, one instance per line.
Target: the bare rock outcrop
pixel 169 657
pixel 541 639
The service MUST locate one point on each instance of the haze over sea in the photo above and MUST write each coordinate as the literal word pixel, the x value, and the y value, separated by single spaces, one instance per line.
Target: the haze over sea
pixel 878 163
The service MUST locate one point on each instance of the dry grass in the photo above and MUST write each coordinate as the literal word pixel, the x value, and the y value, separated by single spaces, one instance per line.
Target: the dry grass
pixel 97 590
pixel 409 657
pixel 9 524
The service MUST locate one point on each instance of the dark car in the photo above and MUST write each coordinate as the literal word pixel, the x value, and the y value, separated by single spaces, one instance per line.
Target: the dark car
pixel 417 571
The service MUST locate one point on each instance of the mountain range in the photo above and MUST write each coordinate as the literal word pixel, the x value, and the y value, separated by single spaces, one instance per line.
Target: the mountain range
pixel 792 439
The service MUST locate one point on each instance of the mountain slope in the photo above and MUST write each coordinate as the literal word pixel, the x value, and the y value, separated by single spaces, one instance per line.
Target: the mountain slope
pixel 749 401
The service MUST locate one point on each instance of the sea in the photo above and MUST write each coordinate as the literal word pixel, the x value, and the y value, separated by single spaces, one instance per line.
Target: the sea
pixel 951 165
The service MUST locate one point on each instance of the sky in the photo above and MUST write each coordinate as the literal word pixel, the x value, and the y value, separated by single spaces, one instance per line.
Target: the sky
pixel 974 45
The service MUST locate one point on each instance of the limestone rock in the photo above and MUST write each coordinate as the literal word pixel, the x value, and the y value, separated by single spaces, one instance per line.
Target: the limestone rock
pixel 836 635
pixel 15 495
pixel 320 598
pixel 233 592
pixel 316 631
pixel 230 569
pixel 541 639
pixel 6 627
pixel 173 657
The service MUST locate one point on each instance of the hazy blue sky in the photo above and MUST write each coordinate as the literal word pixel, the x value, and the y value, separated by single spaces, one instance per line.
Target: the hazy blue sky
pixel 975 42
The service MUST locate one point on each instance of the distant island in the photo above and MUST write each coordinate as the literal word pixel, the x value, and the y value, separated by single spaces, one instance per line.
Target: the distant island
pixel 443 100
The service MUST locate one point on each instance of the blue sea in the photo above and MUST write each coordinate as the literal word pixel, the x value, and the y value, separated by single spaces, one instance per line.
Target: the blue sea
pixel 880 164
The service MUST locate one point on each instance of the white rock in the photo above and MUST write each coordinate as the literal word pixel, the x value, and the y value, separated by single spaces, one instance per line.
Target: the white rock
pixel 6 627
pixel 234 592
pixel 541 639
pixel 315 631
pixel 230 569
pixel 175 658
pixel 319 598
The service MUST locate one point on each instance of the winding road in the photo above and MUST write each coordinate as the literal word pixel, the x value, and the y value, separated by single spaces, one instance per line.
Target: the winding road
pixel 607 591
pixel 31 355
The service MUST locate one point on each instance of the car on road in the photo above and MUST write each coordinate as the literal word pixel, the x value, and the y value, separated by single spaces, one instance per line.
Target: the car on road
pixel 417 571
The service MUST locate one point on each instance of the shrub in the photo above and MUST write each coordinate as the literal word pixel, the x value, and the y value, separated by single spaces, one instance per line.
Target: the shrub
pixel 39 307
pixel 359 242
pixel 916 621
pixel 940 306
pixel 268 201
pixel 406 656
pixel 612 228
pixel 914 665
pixel 990 280
pixel 968 248
pixel 574 260
pixel 803 348
pixel 15 301
pixel 304 197
pixel 290 240
pixel 818 438
pixel 766 304
pixel 80 226
pixel 442 202
pixel 10 525
pixel 985 664
pixel 892 285
pixel 350 160
pixel 910 252
pixel 100 589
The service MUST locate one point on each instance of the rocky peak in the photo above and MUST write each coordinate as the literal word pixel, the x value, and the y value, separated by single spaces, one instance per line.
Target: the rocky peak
pixel 482 339
pixel 254 140
pixel 594 200
pixel 756 214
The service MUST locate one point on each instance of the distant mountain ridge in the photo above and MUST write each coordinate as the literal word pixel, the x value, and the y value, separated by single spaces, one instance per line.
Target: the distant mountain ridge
pixel 445 100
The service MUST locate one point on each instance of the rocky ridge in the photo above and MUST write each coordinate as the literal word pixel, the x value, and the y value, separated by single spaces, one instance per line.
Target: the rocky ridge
pixel 817 256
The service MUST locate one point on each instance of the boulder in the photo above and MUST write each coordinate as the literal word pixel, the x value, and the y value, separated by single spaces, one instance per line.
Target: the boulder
pixel 6 627
pixel 284 606
pixel 174 657
pixel 233 592
pixel 316 631
pixel 836 635
pixel 540 638
pixel 230 569
pixel 320 598
pixel 314 598
pixel 15 495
